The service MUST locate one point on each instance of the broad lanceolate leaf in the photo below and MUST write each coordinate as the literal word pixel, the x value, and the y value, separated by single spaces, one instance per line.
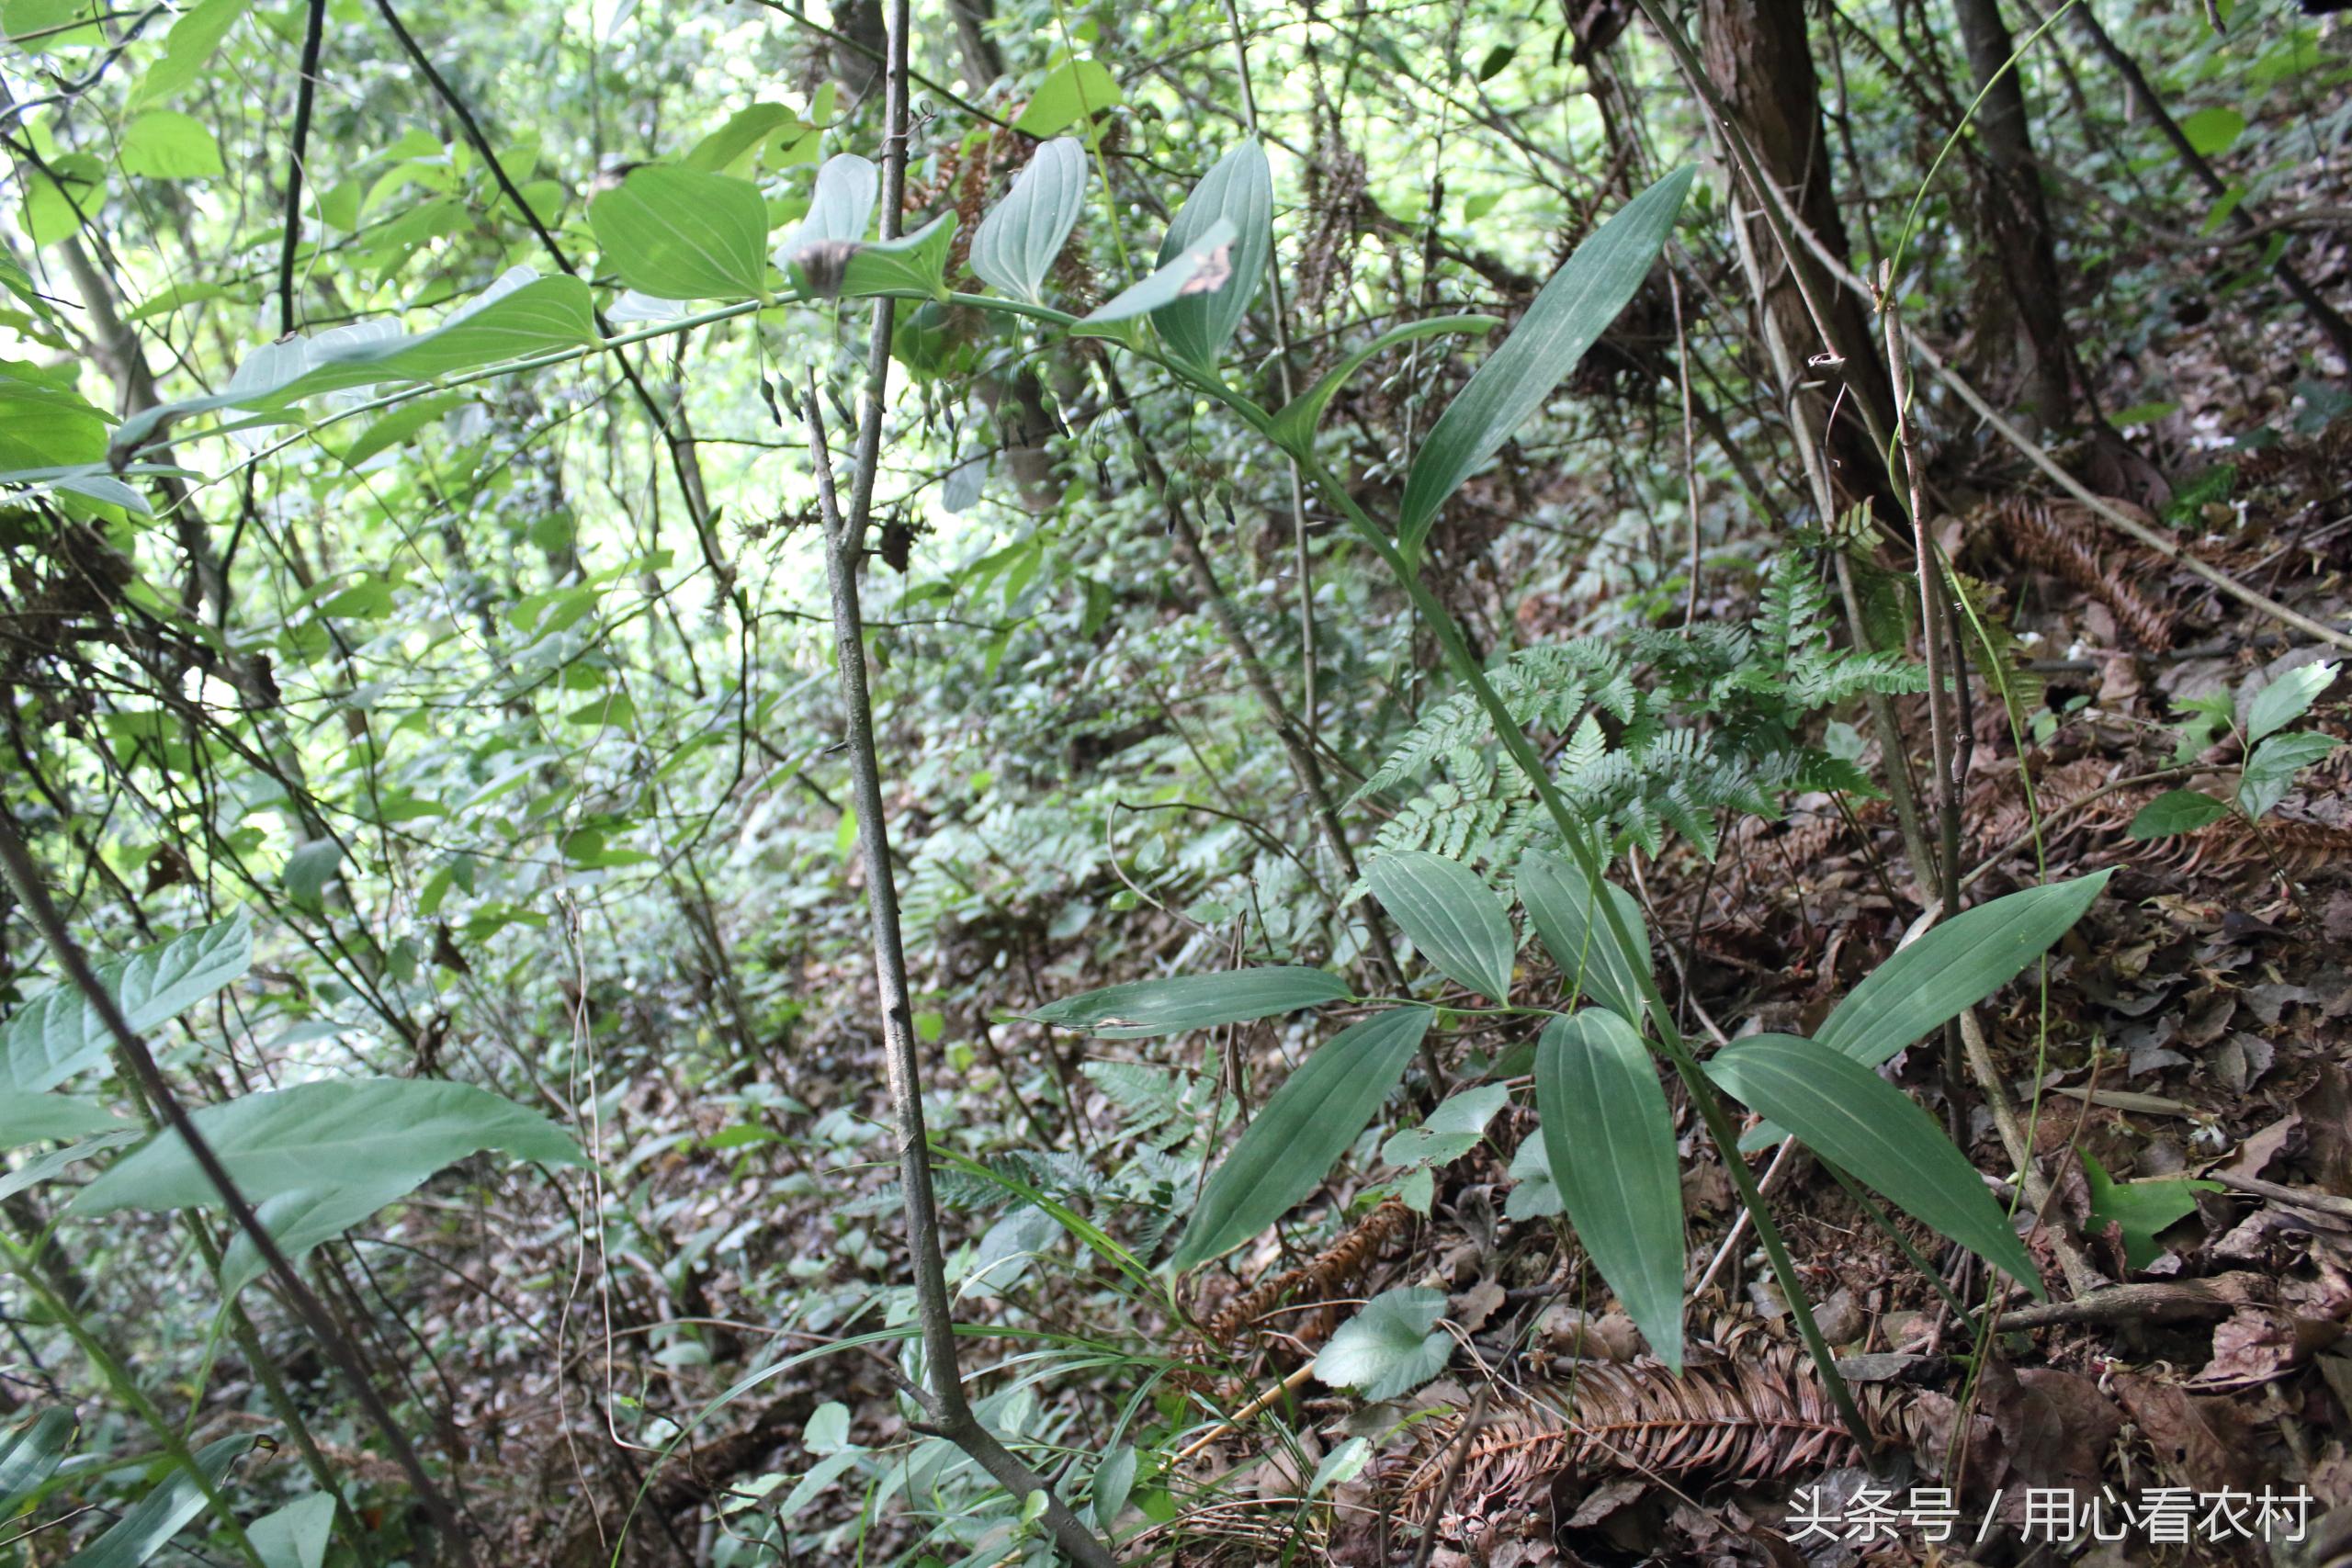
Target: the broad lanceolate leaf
pixel 1206 266
pixel 1295 425
pixel 164 1512
pixel 1017 242
pixel 1143 1008
pixel 1563 906
pixel 1568 315
pixel 679 233
pixel 296 1535
pixel 1388 1349
pixel 30 1456
pixel 1290 1145
pixel 1609 1139
pixel 347 1132
pixel 1449 914
pixel 520 315
pixel 34 1171
pixel 1239 191
pixel 34 1118
pixel 56 1035
pixel 916 261
pixel 840 207
pixel 1954 965
pixel 1073 93
pixel 300 1220
pixel 186 48
pixel 2177 811
pixel 1851 1117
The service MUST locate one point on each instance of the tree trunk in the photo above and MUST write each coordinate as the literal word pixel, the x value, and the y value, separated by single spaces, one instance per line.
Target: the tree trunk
pixel 2016 220
pixel 1757 54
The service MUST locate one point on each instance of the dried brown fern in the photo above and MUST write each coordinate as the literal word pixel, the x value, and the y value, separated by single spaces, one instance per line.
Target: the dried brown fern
pixel 1751 1416
pixel 2048 535
pixel 1327 1274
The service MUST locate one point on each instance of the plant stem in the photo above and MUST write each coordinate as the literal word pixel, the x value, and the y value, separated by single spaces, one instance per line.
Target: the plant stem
pixel 944 1401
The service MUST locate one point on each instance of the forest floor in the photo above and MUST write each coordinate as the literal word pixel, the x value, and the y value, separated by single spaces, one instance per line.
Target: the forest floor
pixel 2186 1074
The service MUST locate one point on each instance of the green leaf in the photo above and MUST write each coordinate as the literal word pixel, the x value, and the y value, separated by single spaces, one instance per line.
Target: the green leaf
pixel 1533 1194
pixel 33 1172
pixel 1388 1349
pixel 159 1516
pixel 30 1457
pixel 517 316
pixel 917 261
pixel 2140 1208
pixel 1237 192
pixel 308 871
pixel 41 1117
pixel 1114 1479
pixel 1560 902
pixel 343 1131
pixel 2177 811
pixel 1018 242
pixel 1205 268
pixel 2270 770
pixel 679 233
pixel 1340 1466
pixel 1449 914
pixel 1290 1146
pixel 300 1220
pixel 1609 1140
pixel 296 1535
pixel 163 144
pixel 1141 1009
pixel 55 1036
pixel 1954 965
pixel 841 206
pixel 40 26
pixel 1295 424
pixel 1569 313
pixel 61 198
pixel 732 147
pixel 186 50
pixel 2212 130
pixel 1073 91
pixel 1452 1130
pixel 2286 699
pixel 1856 1120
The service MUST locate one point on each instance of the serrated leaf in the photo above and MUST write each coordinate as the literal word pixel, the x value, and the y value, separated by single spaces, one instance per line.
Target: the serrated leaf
pixel 1290 1145
pixel 1856 1120
pixel 1387 1350
pixel 1564 909
pixel 2270 770
pixel 1295 424
pixel 1568 315
pixel 1451 916
pixel 1018 242
pixel 1609 1138
pixel 2286 699
pixel 344 1133
pixel 1237 193
pixel 1140 1009
pixel 55 1036
pixel 680 234
pixel 2177 811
